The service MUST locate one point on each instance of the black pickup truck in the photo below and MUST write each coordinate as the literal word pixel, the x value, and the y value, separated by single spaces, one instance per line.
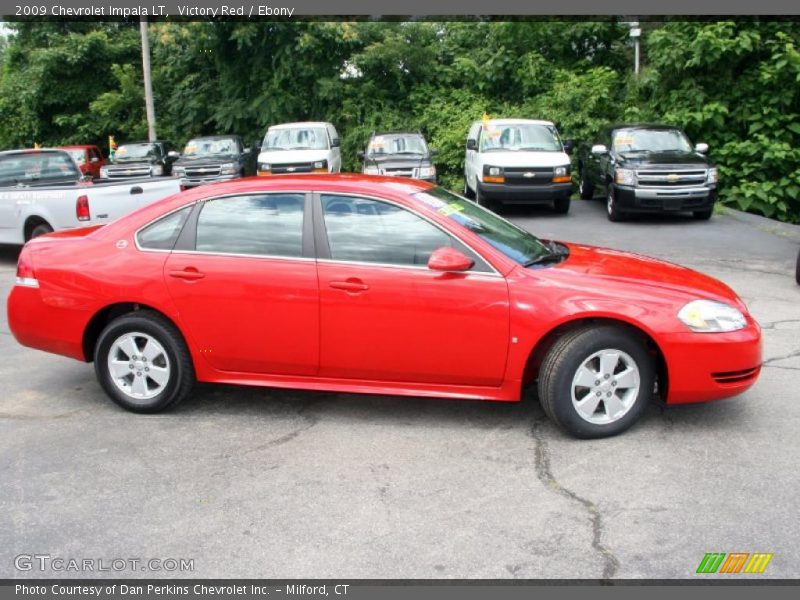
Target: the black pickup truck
pixel 644 168
pixel 140 159
pixel 213 158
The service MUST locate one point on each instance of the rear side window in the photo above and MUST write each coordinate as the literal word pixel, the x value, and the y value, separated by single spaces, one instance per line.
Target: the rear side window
pixel 260 225
pixel 163 234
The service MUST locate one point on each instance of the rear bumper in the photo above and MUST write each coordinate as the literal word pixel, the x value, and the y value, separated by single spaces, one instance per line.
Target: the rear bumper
pixel 642 200
pixel 526 194
pixel 711 366
pixel 44 326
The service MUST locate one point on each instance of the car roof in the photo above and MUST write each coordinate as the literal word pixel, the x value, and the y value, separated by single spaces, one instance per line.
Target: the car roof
pixel 641 126
pixel 399 132
pixel 517 122
pixel 34 151
pixel 300 124
pixel 78 146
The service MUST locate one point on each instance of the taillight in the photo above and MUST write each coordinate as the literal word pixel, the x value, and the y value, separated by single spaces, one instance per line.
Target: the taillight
pixel 25 274
pixel 82 208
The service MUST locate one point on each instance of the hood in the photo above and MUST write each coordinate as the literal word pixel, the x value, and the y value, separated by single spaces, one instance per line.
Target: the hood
pixel 525 159
pixel 605 263
pixel 201 161
pixel 282 157
pixel 667 159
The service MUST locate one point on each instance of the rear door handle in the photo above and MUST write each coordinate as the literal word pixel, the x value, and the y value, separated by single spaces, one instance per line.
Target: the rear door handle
pixel 351 285
pixel 136 190
pixel 189 273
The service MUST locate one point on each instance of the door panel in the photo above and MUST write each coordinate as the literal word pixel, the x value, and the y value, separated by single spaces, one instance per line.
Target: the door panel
pixel 247 294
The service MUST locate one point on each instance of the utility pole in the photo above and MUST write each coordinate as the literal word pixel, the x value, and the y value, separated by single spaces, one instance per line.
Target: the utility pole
pixel 148 83
pixel 636 34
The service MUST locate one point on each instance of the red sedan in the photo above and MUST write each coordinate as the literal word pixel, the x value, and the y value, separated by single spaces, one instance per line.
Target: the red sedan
pixel 376 285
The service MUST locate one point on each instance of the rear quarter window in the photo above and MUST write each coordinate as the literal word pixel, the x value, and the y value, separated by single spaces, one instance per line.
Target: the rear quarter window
pixel 163 233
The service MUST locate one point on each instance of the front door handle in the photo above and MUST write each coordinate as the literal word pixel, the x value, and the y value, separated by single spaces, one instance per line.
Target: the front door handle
pixel 189 273
pixel 350 285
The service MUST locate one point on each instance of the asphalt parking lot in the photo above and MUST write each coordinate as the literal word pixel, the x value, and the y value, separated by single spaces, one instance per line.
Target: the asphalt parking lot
pixel 263 483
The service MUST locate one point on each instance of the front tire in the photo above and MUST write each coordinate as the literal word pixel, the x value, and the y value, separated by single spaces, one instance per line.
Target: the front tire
pixel 612 206
pixel 561 205
pixel 596 381
pixel 585 187
pixel 797 270
pixel 703 215
pixel 142 362
pixel 481 199
pixel 468 193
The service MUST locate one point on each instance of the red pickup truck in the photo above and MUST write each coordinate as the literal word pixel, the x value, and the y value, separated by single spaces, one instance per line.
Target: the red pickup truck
pixel 89 159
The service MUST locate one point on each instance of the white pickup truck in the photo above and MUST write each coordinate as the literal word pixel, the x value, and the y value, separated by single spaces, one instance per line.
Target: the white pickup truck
pixel 43 191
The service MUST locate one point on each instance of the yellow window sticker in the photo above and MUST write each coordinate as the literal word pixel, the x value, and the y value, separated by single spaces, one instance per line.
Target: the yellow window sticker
pixel 450 209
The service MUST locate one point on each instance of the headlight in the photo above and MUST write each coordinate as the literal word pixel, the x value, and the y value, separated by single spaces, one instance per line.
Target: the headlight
pixel 178 171
pixel 625 177
pixel 494 171
pixel 427 172
pixel 227 169
pixel 712 176
pixel 561 171
pixel 156 170
pixel 372 171
pixel 103 171
pixel 264 169
pixel 708 316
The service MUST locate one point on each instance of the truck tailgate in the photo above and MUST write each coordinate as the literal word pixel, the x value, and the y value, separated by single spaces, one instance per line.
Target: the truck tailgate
pixel 109 201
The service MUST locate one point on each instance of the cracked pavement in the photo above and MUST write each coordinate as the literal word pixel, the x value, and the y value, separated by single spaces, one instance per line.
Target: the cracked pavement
pixel 278 483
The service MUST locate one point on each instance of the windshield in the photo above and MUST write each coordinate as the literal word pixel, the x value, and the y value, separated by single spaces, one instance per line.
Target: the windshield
pixel 386 145
pixel 37 167
pixel 515 243
pixel 650 140
pixel 211 147
pixel 296 138
pixel 519 137
pixel 133 151
pixel 77 154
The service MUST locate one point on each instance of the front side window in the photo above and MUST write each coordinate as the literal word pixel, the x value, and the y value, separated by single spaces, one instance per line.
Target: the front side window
pixel 163 234
pixel 260 225
pixel 527 137
pixel 78 155
pixel 296 138
pixel 365 230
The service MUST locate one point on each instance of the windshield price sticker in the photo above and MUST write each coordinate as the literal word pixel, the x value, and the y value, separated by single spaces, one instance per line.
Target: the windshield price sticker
pixel 450 209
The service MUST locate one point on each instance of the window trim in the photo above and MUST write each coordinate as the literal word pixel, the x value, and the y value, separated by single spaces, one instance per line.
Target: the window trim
pixel 323 243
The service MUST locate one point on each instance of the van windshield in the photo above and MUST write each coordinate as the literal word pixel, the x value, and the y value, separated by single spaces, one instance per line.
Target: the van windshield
pixel 519 137
pixel 296 138
pixel 402 143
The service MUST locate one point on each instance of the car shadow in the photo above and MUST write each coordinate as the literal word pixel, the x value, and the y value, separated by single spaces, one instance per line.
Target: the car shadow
pixel 9 254
pixel 662 218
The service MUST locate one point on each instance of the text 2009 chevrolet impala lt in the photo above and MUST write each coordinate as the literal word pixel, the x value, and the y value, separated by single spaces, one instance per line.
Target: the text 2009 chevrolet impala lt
pixel 370 284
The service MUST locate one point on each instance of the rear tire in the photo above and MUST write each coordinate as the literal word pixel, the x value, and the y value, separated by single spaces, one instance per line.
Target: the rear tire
pixel 797 270
pixel 142 362
pixel 561 205
pixel 585 187
pixel 596 381
pixel 703 215
pixel 40 229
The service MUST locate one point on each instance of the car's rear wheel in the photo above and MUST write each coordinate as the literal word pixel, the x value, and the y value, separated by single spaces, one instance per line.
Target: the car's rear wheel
pixel 797 270
pixel 596 381
pixel 40 229
pixel 468 193
pixel 612 206
pixel 585 187
pixel 703 215
pixel 561 205
pixel 142 362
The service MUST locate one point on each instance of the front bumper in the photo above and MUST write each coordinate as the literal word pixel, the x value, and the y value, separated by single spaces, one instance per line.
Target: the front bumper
pixel 664 199
pixel 196 181
pixel 526 194
pixel 711 366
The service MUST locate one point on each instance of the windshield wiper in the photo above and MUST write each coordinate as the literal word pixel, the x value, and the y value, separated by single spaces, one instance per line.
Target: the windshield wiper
pixel 554 254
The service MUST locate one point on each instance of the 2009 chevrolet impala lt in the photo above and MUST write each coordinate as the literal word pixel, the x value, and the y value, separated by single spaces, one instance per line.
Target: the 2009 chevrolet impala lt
pixel 378 285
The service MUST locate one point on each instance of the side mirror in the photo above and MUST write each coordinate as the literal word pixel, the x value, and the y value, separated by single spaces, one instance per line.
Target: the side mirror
pixel 433 151
pixel 569 146
pixel 256 147
pixel 702 148
pixel 599 149
pixel 173 155
pixel 360 154
pixel 94 159
pixel 449 260
pixel 335 143
pixel 472 144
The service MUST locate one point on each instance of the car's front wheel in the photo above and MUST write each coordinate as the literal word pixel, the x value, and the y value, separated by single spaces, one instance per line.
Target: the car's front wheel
pixel 561 205
pixel 612 206
pixel 468 193
pixel 142 362
pixel 585 187
pixel 596 381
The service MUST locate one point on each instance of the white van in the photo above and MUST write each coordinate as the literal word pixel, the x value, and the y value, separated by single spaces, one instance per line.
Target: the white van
pixel 309 147
pixel 519 161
